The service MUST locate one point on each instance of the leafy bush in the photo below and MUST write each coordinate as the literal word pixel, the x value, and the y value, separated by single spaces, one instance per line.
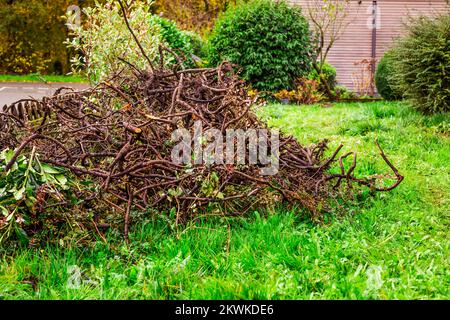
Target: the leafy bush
pixel 306 92
pixel 105 38
pixel 342 92
pixel 421 63
pixel 197 44
pixel 187 43
pixel 284 94
pixel 32 35
pixel 29 35
pixel 330 75
pixel 23 190
pixel 172 36
pixel 383 78
pixel 269 40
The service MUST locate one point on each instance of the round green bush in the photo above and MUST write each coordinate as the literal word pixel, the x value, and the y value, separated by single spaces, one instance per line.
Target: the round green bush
pixel 330 74
pixel 269 40
pixel 421 64
pixel 383 79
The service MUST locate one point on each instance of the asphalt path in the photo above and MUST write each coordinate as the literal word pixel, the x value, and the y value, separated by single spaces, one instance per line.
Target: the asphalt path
pixel 13 91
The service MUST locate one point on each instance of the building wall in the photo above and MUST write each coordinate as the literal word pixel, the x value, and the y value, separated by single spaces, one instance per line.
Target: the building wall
pixel 355 45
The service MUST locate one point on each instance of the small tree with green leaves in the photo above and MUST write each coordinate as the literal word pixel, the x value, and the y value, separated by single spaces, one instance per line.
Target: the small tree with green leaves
pixel 104 38
pixel 105 43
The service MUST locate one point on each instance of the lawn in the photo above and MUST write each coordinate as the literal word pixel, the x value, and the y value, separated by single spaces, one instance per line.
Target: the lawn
pixel 43 78
pixel 390 246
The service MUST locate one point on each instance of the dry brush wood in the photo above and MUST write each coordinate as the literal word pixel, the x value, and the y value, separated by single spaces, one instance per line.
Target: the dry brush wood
pixel 119 135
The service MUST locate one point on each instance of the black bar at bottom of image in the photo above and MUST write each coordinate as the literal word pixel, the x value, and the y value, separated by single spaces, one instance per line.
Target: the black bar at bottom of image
pixel 215 309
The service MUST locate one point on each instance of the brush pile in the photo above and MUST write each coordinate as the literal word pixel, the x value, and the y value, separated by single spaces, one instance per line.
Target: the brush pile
pixel 119 135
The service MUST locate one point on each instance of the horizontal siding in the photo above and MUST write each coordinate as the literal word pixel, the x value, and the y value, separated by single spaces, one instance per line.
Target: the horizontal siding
pixel 356 43
pixel 393 23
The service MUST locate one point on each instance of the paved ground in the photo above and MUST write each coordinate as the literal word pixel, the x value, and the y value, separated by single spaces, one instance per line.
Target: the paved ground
pixel 13 91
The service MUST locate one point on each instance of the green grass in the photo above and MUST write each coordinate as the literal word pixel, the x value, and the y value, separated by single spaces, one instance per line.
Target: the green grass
pixel 392 246
pixel 43 78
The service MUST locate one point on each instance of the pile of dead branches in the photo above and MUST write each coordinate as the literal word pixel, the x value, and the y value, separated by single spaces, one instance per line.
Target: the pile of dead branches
pixel 119 135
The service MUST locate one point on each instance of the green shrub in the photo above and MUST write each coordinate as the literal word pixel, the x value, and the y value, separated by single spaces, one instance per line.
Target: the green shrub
pixel 173 37
pixel 329 73
pixel 306 92
pixel 22 189
pixel 269 40
pixel 383 79
pixel 421 64
pixel 197 44
pixel 342 92
pixel 32 35
pixel 105 38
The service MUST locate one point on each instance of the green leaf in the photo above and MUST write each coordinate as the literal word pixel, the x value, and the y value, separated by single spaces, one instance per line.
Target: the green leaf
pixel 4 211
pixel 49 169
pixel 22 235
pixel 7 155
pixel 61 179
pixel 18 195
